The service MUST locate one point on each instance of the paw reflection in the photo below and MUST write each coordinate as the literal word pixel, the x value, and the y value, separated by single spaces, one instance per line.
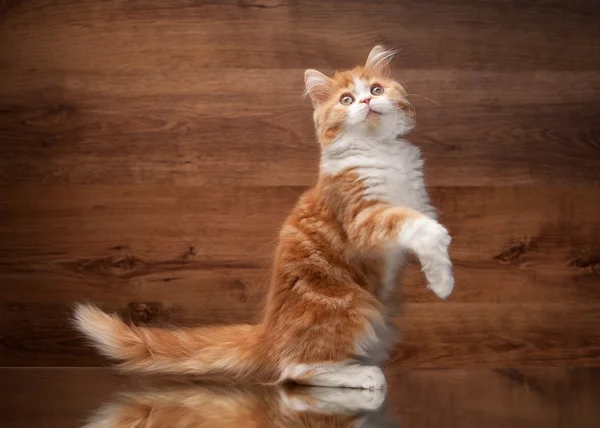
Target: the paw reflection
pixel 219 406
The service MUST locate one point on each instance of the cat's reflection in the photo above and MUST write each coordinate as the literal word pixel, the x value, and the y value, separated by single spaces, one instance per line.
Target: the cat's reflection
pixel 217 406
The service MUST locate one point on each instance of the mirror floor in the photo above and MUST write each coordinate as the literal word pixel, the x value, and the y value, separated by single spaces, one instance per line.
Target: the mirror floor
pixel 487 398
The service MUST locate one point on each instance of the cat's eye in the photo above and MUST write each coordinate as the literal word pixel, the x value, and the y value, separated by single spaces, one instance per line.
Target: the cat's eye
pixel 376 89
pixel 346 99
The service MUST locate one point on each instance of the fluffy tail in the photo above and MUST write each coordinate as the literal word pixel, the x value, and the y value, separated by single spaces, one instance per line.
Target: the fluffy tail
pixel 227 350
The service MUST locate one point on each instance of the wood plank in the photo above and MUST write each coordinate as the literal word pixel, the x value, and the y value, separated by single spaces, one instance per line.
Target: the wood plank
pixel 472 334
pixel 492 34
pixel 264 136
pixel 209 92
pixel 168 243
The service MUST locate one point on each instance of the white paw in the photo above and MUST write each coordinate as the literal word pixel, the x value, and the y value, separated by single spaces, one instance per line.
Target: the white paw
pixel 441 283
pixel 430 241
pixel 428 236
pixel 369 377
pixel 333 400
pixel 372 399
pixel 350 399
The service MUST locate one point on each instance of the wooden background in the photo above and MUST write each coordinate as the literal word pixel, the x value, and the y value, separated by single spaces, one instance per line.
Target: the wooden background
pixel 149 151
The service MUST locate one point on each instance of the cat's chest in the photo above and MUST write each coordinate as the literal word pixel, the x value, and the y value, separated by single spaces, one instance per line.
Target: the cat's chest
pixel 391 171
pixel 395 175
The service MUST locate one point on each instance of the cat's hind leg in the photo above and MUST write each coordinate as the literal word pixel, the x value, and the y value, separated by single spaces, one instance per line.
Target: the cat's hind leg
pixel 333 334
pixel 346 375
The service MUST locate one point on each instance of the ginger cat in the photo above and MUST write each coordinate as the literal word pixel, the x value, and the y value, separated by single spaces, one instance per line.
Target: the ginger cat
pixel 339 257
pixel 220 406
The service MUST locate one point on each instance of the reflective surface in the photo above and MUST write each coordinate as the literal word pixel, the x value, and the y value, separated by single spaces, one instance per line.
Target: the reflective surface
pixel 544 397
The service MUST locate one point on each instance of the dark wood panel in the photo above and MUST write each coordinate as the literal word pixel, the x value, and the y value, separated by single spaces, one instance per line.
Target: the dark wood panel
pixel 511 129
pixel 162 242
pixel 149 152
pixel 468 334
pixel 484 34
pixel 211 92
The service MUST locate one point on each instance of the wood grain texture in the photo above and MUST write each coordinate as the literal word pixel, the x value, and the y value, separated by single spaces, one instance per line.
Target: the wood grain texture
pixel 511 129
pixel 149 152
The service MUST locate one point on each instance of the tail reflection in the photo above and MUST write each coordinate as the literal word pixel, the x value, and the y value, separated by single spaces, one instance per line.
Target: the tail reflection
pixel 217 406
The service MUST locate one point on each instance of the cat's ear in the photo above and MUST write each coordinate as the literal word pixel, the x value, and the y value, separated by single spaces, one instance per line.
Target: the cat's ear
pixel 318 86
pixel 378 62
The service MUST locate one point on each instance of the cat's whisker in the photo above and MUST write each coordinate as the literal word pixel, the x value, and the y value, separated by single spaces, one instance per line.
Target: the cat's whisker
pixel 404 85
pixel 423 96
pixel 412 108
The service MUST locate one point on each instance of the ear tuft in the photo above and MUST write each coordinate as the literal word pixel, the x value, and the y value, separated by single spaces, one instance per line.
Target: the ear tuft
pixel 318 86
pixel 378 61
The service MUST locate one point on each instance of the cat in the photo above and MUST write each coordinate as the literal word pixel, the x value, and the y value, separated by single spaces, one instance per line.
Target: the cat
pixel 255 406
pixel 339 257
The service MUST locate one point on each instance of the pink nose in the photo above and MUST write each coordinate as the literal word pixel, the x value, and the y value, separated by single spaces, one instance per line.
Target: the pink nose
pixel 366 101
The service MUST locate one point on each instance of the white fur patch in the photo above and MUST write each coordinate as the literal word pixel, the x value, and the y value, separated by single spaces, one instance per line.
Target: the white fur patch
pixel 348 375
pixel 102 329
pixel 379 59
pixel 429 240
pixel 361 89
pixel 391 169
pixel 334 400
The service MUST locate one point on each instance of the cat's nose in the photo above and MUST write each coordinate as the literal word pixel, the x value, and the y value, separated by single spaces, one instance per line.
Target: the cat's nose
pixel 366 101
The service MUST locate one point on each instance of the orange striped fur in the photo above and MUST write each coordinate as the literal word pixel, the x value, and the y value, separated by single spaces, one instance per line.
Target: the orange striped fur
pixel 340 254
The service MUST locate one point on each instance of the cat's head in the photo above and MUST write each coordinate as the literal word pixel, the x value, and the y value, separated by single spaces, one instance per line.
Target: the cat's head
pixel 364 101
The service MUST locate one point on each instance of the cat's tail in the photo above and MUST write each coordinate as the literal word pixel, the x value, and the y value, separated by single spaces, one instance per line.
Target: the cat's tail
pixel 231 350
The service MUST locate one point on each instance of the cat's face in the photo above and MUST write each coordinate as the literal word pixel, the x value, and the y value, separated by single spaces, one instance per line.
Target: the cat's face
pixel 364 101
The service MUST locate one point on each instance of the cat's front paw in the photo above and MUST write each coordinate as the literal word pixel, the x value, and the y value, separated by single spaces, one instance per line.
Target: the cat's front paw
pixel 442 282
pixel 429 240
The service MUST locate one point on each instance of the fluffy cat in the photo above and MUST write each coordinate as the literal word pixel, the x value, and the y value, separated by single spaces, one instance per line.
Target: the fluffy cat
pixel 339 257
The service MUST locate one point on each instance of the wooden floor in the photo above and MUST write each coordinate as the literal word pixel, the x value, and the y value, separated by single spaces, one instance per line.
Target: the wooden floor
pixel 149 152
pixel 418 398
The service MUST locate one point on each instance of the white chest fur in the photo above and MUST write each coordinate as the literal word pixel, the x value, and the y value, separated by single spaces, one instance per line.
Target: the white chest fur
pixel 392 170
